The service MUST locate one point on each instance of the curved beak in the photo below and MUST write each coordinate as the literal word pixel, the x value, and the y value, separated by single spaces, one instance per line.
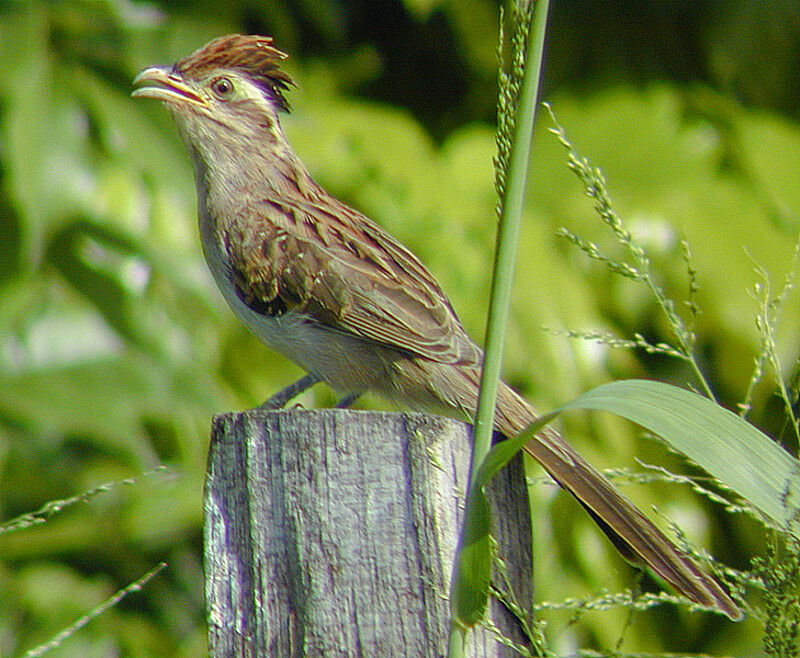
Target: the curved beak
pixel 161 84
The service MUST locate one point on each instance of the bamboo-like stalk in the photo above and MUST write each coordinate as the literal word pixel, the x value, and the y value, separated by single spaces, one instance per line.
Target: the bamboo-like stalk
pixel 508 235
pixel 504 263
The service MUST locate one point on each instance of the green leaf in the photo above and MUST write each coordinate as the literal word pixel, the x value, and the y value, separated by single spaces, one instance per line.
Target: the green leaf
pixel 473 566
pixel 422 9
pixel 732 450
pixel 106 287
pixel 503 452
pixel 125 130
pixel 472 573
pixel 728 447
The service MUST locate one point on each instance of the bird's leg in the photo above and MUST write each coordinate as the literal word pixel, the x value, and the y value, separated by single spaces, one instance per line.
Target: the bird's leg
pixel 279 400
pixel 347 400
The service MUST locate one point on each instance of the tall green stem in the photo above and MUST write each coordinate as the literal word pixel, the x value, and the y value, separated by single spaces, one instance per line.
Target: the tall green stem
pixel 508 235
pixel 505 257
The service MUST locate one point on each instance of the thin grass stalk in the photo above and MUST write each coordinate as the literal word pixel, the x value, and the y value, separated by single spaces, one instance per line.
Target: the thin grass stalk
pixel 505 258
pixel 508 237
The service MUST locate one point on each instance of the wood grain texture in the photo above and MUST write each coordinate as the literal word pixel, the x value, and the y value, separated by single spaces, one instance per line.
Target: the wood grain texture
pixel 332 533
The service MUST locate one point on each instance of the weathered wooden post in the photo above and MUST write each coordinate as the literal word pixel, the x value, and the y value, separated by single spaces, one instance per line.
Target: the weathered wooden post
pixel 332 533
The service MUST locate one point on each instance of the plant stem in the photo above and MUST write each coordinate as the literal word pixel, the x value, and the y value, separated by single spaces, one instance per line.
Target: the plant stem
pixel 505 257
pixel 508 236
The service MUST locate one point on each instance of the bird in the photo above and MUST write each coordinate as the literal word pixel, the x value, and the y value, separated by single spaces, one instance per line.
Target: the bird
pixel 327 287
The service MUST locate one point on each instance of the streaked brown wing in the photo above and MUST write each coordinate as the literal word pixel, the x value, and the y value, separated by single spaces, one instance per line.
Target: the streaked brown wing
pixel 345 271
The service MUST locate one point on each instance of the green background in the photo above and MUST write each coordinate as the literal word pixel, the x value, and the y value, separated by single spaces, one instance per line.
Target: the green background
pixel 116 349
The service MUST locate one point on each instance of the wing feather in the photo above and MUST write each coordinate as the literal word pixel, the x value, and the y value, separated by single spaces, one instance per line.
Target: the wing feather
pixel 341 269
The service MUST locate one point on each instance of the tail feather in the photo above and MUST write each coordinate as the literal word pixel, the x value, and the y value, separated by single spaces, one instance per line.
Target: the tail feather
pixel 631 532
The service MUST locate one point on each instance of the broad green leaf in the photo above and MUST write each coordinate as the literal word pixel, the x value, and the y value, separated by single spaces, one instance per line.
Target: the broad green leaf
pixel 473 564
pixel 470 591
pixel 106 287
pixel 732 450
pixel 503 452
pixel 728 447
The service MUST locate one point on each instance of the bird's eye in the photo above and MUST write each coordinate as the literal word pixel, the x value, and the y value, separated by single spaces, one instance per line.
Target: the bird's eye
pixel 222 88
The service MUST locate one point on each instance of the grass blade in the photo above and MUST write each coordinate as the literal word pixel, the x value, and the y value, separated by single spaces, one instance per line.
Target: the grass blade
pixel 735 452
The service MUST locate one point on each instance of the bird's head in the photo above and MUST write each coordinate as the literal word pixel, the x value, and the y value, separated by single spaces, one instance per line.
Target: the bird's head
pixel 225 97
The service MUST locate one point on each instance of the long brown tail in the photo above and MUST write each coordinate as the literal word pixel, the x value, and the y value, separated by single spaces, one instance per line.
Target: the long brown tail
pixel 631 532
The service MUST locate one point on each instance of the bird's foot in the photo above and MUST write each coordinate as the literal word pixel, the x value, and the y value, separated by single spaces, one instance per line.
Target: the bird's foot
pixel 279 400
pixel 347 400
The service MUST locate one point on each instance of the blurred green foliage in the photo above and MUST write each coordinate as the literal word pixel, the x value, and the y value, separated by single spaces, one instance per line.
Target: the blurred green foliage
pixel 116 349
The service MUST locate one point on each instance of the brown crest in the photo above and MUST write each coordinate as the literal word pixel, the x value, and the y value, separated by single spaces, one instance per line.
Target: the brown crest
pixel 253 56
